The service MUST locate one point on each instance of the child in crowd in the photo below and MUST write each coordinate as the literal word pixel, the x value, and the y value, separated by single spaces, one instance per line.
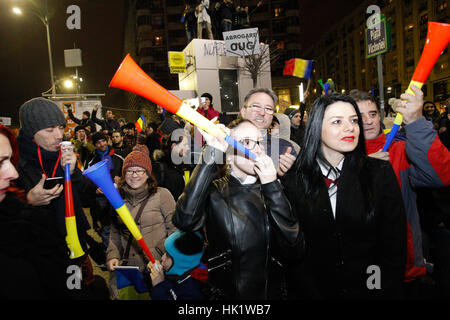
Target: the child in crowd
pixel 172 279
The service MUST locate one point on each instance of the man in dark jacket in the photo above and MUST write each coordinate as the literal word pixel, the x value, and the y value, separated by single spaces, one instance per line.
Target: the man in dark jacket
pixel 85 119
pixel 42 126
pixel 109 123
pixel 102 210
pixel 421 161
pixel 119 146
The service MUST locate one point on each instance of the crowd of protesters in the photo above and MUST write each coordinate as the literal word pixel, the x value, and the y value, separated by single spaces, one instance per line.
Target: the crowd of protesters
pixel 322 213
pixel 215 17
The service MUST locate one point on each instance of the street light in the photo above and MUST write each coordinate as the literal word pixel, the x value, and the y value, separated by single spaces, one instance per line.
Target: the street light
pixel 43 16
pixel 17 10
pixel 68 84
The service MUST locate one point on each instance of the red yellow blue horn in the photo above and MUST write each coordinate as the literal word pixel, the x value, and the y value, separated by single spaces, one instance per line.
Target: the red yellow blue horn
pixel 99 174
pixel 438 38
pixel 73 243
pixel 129 76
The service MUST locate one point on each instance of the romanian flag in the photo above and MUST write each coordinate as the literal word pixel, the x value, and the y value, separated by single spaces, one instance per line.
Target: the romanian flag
pixel 298 68
pixel 140 123
pixel 130 284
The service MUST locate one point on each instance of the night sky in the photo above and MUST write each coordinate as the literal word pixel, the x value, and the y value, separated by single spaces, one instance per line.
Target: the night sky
pixel 23 46
pixel 24 56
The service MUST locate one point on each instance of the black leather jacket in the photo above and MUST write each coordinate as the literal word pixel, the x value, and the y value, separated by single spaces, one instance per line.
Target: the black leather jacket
pixel 246 226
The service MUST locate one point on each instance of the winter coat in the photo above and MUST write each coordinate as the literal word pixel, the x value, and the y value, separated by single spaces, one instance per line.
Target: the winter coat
pixel 178 288
pixel 83 122
pixel 247 228
pixel 170 176
pixel 106 124
pixel 30 172
pixel 420 161
pixel 34 257
pixel 155 225
pixel 341 249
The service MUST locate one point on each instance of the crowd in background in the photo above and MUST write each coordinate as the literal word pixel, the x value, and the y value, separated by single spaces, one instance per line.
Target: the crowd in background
pixel 215 18
pixel 274 229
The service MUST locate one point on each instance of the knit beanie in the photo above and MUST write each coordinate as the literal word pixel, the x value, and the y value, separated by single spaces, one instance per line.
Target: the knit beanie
pixel 207 95
pixel 139 157
pixel 290 112
pixel 185 249
pixel 40 113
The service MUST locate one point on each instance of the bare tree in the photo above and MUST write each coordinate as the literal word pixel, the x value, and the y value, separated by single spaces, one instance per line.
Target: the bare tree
pixel 255 64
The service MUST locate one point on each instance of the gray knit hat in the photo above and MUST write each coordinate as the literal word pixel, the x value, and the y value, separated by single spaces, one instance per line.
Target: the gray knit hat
pixel 40 113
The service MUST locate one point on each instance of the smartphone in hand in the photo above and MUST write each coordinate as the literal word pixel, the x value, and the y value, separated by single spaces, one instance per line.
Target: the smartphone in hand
pixel 50 183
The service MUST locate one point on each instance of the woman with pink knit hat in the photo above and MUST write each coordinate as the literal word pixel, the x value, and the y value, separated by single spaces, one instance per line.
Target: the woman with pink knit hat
pixel 151 207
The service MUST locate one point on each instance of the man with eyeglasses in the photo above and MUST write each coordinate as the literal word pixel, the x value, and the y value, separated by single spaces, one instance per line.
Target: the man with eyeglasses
pixel 101 211
pixel 259 107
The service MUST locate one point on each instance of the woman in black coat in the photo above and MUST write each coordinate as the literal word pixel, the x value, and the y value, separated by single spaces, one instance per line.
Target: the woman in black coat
pixel 350 209
pixel 248 221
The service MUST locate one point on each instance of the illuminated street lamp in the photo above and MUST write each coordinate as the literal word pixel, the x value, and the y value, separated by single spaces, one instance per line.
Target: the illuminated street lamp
pixel 17 10
pixel 43 16
pixel 68 84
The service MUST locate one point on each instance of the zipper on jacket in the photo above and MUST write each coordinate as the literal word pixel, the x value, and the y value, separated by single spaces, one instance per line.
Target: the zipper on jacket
pixel 266 222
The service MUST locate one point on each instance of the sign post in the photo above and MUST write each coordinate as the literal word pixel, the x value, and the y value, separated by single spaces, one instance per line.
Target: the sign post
pixel 378 41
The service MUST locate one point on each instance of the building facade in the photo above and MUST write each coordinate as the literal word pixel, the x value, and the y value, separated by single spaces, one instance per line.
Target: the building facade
pixel 341 53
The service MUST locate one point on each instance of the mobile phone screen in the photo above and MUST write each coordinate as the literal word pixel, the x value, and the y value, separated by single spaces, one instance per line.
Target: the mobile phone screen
pixel 52 182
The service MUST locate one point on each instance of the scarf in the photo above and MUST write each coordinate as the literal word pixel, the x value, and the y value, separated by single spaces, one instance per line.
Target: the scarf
pixel 28 150
pixel 106 155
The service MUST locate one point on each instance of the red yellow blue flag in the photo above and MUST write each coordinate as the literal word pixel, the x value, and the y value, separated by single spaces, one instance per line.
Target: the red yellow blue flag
pixel 298 68
pixel 140 123
pixel 130 284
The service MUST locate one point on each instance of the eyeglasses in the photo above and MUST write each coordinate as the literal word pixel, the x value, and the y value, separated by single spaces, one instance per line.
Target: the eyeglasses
pixel 137 172
pixel 258 108
pixel 250 144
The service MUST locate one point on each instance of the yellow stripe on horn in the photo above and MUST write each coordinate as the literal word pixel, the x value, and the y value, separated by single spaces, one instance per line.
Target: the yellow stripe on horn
pixel 189 114
pixel 73 243
pixel 126 217
pixel 417 84
pixel 399 117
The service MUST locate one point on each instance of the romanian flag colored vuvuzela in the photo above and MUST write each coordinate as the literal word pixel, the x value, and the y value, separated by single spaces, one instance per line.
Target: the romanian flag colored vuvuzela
pixel 298 68
pixel 130 284
pixel 129 76
pixel 438 38
pixel 140 123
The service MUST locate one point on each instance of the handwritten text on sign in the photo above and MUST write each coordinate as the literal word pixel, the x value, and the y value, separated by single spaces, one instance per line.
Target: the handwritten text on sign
pixel 242 42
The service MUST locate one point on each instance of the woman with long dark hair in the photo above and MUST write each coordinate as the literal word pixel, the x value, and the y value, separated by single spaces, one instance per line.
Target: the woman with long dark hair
pixel 350 209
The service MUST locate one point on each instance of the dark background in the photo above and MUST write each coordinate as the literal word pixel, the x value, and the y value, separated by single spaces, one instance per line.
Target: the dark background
pixel 24 57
